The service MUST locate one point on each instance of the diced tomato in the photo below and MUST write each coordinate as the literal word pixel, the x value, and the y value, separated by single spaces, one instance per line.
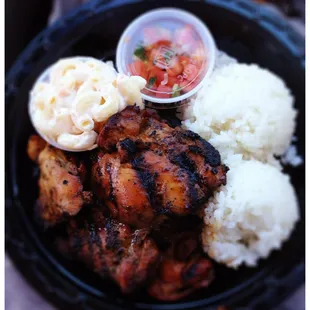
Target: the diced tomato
pixel 162 43
pixel 190 72
pixel 149 66
pixel 172 80
pixel 166 91
pixel 138 67
pixel 158 74
pixel 152 55
pixel 175 68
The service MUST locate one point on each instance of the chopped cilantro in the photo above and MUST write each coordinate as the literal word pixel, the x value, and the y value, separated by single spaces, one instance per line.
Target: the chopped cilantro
pixel 152 80
pixel 140 53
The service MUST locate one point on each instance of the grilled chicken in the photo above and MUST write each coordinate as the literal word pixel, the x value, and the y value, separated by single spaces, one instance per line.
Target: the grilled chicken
pixel 151 185
pixel 119 186
pixel 110 248
pixel 35 146
pixel 166 231
pixel 150 169
pixel 132 130
pixel 61 180
pixel 150 181
pixel 182 270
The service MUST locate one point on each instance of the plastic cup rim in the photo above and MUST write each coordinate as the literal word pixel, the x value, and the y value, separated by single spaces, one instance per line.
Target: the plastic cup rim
pixel 200 27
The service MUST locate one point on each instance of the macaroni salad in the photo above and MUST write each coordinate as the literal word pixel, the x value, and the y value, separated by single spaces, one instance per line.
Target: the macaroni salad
pixel 75 94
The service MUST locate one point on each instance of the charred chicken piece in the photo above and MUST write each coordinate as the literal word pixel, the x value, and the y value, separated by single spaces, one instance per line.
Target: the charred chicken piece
pixel 61 180
pixel 133 130
pixel 173 171
pixel 165 232
pixel 138 192
pixel 175 192
pixel 110 248
pixel 126 124
pixel 120 187
pixel 182 270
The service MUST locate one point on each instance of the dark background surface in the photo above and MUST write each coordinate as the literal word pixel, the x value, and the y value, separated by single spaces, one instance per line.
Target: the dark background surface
pixel 24 19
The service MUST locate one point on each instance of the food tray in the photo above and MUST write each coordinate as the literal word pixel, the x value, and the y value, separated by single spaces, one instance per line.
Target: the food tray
pixel 241 28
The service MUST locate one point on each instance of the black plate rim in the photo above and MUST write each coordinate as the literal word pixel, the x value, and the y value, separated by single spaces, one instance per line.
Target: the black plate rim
pixel 241 7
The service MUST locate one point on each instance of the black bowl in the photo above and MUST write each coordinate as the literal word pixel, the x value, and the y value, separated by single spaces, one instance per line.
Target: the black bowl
pixel 242 29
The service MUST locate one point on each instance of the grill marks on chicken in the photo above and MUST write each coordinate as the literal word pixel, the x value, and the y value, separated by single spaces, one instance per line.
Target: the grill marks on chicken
pixel 175 190
pixel 123 125
pixel 187 150
pixel 150 185
pixel 152 178
pixel 110 248
pixel 120 187
pixel 177 169
pixel 61 180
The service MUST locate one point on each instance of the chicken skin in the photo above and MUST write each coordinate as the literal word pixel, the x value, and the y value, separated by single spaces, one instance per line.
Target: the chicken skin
pixel 170 171
pixel 132 130
pixel 119 186
pixel 110 248
pixel 182 270
pixel 132 206
pixel 35 146
pixel 61 180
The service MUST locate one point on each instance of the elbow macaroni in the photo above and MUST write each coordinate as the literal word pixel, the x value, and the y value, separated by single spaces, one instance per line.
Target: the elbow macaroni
pixel 74 94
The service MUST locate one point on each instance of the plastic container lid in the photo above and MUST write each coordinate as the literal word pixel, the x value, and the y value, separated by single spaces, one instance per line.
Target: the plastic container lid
pixel 172 49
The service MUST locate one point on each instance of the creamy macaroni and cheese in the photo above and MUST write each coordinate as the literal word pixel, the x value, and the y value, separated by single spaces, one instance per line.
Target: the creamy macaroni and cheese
pixel 75 94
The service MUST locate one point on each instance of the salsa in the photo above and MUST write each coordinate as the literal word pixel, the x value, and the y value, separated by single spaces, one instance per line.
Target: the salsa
pixel 171 61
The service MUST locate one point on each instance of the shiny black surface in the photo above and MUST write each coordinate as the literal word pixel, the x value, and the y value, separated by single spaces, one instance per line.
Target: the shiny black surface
pixel 241 29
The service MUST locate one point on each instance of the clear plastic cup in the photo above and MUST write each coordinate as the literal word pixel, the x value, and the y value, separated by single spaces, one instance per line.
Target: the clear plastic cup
pixel 45 77
pixel 173 50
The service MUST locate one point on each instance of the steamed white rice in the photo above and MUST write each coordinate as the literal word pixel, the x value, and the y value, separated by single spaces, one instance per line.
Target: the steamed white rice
pixel 251 216
pixel 247 113
pixel 243 109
